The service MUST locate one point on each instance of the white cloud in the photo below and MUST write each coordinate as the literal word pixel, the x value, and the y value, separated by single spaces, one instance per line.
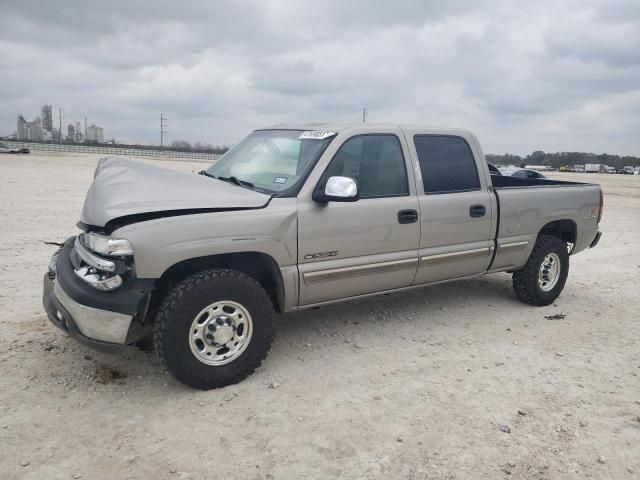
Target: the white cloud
pixel 550 75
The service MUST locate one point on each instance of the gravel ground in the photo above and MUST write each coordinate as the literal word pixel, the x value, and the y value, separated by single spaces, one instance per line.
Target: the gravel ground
pixel 452 381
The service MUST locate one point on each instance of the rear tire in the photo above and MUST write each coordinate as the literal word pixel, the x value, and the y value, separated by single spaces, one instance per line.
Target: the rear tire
pixel 214 304
pixel 145 344
pixel 542 278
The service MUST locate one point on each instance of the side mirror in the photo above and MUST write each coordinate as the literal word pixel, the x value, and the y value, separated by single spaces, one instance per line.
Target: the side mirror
pixel 337 189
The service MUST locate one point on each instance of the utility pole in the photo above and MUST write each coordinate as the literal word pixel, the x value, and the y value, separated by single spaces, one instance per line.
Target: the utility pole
pixel 163 123
pixel 85 129
pixel 364 115
pixel 60 125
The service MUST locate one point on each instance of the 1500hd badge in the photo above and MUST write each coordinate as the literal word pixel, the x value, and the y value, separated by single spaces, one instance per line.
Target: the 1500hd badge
pixel 313 256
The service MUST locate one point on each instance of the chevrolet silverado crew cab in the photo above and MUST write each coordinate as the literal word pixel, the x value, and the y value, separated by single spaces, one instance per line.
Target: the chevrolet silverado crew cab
pixel 295 217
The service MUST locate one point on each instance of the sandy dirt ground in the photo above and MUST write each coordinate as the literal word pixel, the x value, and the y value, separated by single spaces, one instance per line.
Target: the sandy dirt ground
pixel 457 381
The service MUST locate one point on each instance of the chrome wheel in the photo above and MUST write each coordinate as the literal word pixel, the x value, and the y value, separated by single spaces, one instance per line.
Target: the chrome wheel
pixel 549 272
pixel 220 333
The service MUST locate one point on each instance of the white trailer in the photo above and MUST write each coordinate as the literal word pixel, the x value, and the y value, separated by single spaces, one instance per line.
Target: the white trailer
pixel 595 168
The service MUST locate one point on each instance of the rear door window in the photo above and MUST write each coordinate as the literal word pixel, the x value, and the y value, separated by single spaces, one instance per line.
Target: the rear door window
pixel 447 164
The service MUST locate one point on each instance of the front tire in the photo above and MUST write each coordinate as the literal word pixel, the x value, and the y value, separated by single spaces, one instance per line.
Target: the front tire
pixel 542 278
pixel 214 328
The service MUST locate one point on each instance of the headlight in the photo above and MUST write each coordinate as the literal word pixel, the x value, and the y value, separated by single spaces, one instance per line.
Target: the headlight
pixel 107 245
pixel 99 281
pixel 100 272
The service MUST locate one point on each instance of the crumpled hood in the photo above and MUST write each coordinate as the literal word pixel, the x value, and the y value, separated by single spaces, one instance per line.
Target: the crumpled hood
pixel 122 187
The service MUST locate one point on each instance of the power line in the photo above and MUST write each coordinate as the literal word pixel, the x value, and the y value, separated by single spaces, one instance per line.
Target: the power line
pixel 163 123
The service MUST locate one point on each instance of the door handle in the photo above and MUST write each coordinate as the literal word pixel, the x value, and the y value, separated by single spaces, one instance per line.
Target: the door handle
pixel 477 210
pixel 407 216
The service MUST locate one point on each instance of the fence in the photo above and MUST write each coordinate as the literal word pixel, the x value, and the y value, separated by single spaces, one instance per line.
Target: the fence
pixel 115 150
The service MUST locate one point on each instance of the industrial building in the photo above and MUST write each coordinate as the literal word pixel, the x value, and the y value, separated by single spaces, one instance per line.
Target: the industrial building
pixel 31 130
pixel 95 134
pixel 42 130
pixel 39 130
pixel 22 133
pixel 74 133
pixel 47 117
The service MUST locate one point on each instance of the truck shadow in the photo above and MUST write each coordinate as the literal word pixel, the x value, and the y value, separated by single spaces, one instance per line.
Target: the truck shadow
pixel 423 304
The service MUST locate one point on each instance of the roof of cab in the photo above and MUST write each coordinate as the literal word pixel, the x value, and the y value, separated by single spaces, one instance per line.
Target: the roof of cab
pixel 338 127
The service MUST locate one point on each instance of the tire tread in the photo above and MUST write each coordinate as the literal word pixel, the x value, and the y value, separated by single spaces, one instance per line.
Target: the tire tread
pixel 246 363
pixel 525 279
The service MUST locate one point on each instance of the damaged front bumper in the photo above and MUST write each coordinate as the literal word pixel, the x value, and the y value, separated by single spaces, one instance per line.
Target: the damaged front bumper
pixel 104 321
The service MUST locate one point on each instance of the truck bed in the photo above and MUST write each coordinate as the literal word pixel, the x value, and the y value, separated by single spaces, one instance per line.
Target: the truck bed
pixel 503 181
pixel 526 205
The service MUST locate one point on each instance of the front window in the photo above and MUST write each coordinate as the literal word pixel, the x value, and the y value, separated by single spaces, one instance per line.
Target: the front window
pixel 375 161
pixel 272 161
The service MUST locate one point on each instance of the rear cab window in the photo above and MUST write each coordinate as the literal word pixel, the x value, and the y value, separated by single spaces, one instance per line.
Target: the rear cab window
pixel 446 163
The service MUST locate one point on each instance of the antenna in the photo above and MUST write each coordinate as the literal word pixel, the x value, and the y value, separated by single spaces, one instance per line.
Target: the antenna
pixel 163 123
pixel 364 115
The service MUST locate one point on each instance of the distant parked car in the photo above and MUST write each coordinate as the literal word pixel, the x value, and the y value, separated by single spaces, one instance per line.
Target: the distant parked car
pixel 7 149
pixel 25 150
pixel 522 173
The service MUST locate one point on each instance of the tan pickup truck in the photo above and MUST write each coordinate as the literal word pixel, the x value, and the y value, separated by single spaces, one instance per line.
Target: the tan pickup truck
pixel 295 217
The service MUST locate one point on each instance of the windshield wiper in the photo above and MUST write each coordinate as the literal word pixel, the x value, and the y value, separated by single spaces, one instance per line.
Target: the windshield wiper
pixel 206 174
pixel 232 179
pixel 237 181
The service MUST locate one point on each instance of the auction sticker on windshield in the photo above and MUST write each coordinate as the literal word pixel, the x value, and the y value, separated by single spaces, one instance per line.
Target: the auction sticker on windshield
pixel 316 135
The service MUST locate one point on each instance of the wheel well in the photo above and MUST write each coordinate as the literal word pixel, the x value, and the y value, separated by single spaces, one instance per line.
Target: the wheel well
pixel 260 266
pixel 566 230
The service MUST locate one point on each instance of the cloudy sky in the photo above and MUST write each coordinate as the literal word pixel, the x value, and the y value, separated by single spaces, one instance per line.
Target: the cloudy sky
pixel 550 75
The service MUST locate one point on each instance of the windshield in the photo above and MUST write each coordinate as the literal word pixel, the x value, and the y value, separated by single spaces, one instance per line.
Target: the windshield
pixel 272 160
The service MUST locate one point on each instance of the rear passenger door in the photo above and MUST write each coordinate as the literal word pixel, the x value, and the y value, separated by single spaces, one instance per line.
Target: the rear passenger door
pixel 456 207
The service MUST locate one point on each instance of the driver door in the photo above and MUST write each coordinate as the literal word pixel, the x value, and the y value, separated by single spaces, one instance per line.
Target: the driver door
pixel 348 249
